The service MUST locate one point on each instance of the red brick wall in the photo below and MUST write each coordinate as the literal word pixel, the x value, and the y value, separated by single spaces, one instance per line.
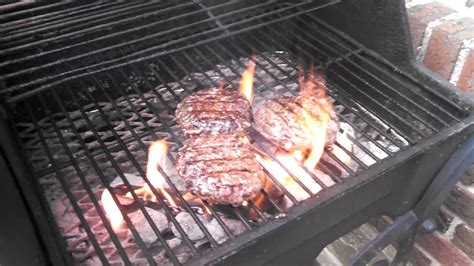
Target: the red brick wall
pixel 444 41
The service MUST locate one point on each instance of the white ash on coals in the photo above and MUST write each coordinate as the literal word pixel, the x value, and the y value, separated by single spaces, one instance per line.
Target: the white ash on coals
pixel 194 233
pixel 143 227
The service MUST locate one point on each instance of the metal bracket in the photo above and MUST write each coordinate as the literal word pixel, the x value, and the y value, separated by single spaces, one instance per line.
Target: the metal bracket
pixel 419 221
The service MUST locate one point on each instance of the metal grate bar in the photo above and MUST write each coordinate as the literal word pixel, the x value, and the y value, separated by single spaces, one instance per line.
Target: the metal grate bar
pixel 403 97
pixel 342 117
pixel 188 208
pixel 75 74
pixel 169 181
pixel 31 10
pixel 294 93
pixel 241 52
pixel 96 17
pixel 235 210
pixel 50 18
pixel 354 141
pixel 144 149
pixel 294 177
pixel 191 62
pixel 362 92
pixel 148 81
pixel 184 87
pixel 274 180
pixel 86 186
pixel 341 90
pixel 121 174
pixel 91 41
pixel 171 185
pixel 105 182
pixel 101 16
pixel 143 146
pixel 70 195
pixel 440 97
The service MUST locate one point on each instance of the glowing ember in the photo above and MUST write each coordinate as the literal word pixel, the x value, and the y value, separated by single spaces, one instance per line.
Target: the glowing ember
pixel 344 141
pixel 246 82
pixel 112 210
pixel 156 157
pixel 286 180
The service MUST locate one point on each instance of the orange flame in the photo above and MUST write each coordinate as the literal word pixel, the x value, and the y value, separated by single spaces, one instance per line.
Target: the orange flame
pixel 112 210
pixel 156 157
pixel 190 197
pixel 286 180
pixel 313 90
pixel 316 128
pixel 246 82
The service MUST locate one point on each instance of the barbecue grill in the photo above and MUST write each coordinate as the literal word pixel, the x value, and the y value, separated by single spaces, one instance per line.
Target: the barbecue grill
pixel 87 87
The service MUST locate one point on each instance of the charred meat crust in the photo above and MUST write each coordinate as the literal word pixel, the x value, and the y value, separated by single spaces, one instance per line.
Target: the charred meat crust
pixel 279 120
pixel 213 111
pixel 220 169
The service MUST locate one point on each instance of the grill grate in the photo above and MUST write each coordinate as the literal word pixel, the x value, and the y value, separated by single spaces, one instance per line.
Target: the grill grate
pixel 81 33
pixel 82 132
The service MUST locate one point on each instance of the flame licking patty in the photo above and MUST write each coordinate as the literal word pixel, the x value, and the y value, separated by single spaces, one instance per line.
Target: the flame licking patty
pixel 281 120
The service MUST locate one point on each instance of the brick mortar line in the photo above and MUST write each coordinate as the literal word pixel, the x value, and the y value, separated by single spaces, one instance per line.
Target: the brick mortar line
pixel 466 47
pixel 452 227
pixel 429 32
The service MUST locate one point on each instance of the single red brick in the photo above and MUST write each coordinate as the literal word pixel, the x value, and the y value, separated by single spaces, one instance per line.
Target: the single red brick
pixel 420 15
pixel 418 258
pixel 466 80
pixel 443 250
pixel 464 239
pixel 445 43
pixel 461 201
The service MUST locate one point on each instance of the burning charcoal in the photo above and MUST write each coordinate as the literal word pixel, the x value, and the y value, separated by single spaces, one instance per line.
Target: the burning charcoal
pixel 125 201
pixel 143 227
pixel 218 232
pixel 194 232
pixel 366 158
pixel 134 180
pixel 174 242
pixel 326 179
pixel 189 226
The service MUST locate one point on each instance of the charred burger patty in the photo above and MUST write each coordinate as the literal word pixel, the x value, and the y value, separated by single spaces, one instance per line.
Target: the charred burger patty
pixel 220 169
pixel 280 120
pixel 213 111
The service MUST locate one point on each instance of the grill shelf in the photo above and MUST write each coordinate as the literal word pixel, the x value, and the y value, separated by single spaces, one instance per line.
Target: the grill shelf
pixel 101 104
pixel 124 32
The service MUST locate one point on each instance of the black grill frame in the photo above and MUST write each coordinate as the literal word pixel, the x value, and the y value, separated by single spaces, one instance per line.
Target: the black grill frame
pixel 296 234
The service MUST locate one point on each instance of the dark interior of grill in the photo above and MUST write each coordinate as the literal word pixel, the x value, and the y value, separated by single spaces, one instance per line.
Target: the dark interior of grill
pixel 88 86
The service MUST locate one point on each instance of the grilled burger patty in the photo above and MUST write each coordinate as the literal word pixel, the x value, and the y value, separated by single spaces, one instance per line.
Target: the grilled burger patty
pixel 213 111
pixel 280 120
pixel 220 169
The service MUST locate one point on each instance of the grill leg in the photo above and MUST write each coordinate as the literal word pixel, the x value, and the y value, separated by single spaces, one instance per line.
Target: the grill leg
pixel 419 221
pixel 404 250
